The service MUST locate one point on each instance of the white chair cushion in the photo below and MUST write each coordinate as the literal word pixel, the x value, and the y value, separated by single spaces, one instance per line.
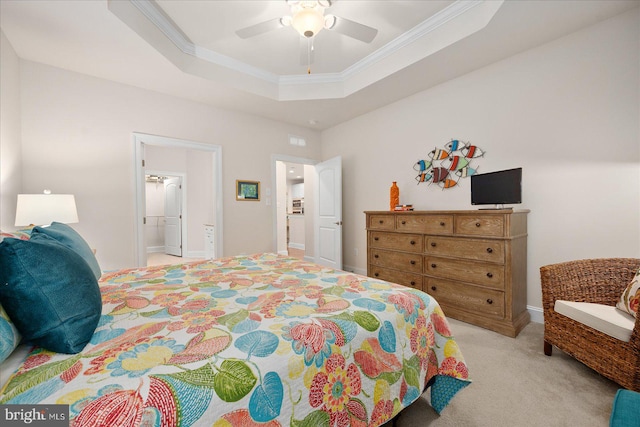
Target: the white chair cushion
pixel 604 318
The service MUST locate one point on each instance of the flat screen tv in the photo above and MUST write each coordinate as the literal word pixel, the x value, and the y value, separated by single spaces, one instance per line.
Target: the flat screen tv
pixel 497 188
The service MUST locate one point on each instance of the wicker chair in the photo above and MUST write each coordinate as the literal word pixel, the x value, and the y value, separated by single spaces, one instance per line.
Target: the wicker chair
pixel 597 281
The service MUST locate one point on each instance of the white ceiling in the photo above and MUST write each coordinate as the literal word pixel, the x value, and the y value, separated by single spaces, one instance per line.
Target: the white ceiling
pixel 189 48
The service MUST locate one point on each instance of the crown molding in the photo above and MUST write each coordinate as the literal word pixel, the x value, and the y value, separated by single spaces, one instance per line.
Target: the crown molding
pixel 390 58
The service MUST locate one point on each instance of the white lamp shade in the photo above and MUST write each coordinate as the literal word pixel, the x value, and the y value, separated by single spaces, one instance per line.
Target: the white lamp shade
pixel 43 209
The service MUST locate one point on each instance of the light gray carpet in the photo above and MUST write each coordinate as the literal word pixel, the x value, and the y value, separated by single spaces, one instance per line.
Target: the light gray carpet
pixel 515 384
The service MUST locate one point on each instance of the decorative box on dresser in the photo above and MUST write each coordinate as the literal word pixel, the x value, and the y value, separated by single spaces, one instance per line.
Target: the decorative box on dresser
pixel 474 262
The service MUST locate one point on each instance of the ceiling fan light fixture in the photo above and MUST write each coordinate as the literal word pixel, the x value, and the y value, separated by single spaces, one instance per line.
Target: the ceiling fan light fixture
pixel 329 21
pixel 308 21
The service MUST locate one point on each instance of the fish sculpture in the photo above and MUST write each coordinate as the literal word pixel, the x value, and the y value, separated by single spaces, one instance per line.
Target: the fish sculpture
pixel 424 177
pixel 454 145
pixel 466 172
pixel 445 168
pixel 438 154
pixel 472 151
pixel 455 163
pixel 422 165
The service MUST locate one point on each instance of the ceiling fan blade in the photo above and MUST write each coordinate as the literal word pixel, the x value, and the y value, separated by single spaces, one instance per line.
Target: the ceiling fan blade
pixel 354 29
pixel 261 28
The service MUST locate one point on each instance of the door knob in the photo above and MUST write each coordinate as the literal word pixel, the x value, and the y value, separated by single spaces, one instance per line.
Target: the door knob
pixel 338 223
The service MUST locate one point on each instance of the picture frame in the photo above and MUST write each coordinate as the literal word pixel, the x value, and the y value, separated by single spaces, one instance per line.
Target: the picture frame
pixel 247 191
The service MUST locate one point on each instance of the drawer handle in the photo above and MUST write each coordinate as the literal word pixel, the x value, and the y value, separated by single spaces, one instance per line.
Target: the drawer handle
pixel 403 222
pixel 381 221
pixel 376 274
pixel 413 242
pixel 489 275
pixel 489 250
pixel 433 244
pixel 413 283
pixel 477 224
pixel 489 301
pixel 376 239
pixel 433 266
pixel 442 223
pixel 413 262
pixel 433 288
pixel 376 256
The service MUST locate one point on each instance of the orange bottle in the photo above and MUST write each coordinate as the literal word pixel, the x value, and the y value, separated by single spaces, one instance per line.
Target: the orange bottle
pixel 394 196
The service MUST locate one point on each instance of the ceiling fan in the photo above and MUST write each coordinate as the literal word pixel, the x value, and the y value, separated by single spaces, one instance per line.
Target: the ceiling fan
pixel 308 18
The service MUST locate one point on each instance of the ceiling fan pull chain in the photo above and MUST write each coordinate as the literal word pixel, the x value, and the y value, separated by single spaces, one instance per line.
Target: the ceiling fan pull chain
pixel 309 41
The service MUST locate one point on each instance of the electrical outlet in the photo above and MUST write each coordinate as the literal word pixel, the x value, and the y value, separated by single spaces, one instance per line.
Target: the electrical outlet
pixel 355 251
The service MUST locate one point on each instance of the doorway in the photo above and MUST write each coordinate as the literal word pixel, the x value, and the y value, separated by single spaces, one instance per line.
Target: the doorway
pixel 209 201
pixel 322 208
pixel 165 203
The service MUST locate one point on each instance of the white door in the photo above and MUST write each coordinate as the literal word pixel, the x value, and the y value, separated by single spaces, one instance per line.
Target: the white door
pixel 173 216
pixel 328 246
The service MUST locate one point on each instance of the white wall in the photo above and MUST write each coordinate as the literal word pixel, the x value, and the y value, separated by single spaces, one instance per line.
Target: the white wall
pixel 10 152
pixel 77 129
pixel 567 112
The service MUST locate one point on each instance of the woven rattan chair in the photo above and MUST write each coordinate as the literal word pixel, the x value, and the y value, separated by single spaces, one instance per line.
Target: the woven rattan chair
pixel 598 281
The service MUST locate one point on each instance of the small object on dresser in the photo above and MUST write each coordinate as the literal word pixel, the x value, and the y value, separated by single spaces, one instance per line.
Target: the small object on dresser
pixel 394 196
pixel 403 208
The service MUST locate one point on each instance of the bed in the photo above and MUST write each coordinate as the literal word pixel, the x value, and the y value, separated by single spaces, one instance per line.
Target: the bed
pixel 259 340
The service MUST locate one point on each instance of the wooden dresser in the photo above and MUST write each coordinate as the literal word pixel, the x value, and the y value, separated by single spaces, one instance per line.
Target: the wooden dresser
pixel 473 262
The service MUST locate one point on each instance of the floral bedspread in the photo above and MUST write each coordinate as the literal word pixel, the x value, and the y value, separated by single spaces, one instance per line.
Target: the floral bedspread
pixel 260 340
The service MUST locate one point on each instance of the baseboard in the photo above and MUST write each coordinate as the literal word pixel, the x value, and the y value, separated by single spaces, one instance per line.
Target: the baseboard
pixel 285 253
pixel 356 270
pixel 194 254
pixel 154 249
pixel 536 313
pixel 297 246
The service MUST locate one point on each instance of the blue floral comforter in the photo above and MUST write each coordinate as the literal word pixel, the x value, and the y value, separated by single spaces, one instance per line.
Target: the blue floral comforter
pixel 259 340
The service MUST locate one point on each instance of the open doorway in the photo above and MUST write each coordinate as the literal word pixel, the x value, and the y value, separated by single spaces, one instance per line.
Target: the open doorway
pixel 322 208
pixel 293 225
pixel 165 204
pixel 198 212
pixel 296 218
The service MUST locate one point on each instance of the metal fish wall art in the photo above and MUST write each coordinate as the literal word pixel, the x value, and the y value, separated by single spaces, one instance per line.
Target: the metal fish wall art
pixel 446 166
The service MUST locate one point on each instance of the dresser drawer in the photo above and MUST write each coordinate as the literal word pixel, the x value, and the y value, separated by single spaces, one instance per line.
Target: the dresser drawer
pixel 429 224
pixel 485 274
pixel 469 298
pixel 411 262
pixel 477 249
pixel 485 225
pixel 395 276
pixel 381 222
pixel 398 241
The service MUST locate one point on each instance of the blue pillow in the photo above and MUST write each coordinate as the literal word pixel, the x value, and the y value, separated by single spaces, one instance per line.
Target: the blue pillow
pixel 71 239
pixel 9 335
pixel 49 292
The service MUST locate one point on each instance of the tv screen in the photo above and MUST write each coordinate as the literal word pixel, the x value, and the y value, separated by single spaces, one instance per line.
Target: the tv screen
pixel 497 188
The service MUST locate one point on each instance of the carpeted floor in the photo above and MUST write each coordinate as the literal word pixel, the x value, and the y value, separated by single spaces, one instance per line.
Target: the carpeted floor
pixel 515 384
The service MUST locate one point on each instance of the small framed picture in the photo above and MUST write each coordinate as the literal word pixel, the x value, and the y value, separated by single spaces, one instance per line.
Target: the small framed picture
pixel 248 190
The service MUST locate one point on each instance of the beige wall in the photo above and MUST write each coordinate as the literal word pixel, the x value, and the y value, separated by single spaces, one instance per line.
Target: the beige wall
pixel 77 130
pixel 10 152
pixel 567 112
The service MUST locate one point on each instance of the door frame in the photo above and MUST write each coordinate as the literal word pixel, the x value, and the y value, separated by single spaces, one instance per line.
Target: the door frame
pixel 142 139
pixel 274 184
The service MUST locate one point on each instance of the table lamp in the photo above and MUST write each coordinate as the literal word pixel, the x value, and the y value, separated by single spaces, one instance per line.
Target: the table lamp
pixel 43 209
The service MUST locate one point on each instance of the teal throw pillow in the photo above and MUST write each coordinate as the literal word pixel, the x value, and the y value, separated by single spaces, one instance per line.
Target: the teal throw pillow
pixel 9 335
pixel 71 239
pixel 49 293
